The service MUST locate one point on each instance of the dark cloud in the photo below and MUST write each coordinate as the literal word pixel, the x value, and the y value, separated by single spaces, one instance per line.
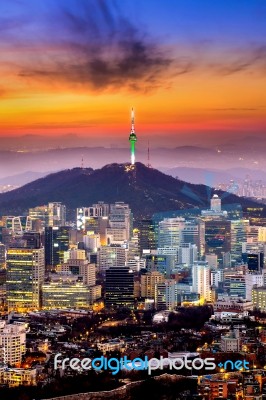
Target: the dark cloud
pixel 103 50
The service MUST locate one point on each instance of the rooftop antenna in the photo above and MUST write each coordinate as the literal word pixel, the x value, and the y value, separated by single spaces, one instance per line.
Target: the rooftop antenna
pixel 149 164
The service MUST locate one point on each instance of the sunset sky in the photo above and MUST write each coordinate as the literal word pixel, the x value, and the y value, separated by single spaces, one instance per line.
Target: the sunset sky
pixel 189 67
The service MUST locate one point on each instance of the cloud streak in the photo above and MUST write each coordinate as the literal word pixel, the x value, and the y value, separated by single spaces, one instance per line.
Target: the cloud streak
pixel 103 50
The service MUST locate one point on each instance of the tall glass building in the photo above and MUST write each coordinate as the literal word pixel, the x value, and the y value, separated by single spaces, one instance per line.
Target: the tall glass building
pixel 25 275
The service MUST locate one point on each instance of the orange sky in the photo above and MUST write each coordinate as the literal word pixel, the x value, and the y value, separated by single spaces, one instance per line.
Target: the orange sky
pixel 55 83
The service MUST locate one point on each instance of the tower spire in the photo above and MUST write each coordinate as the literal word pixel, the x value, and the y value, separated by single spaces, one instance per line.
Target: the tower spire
pixel 132 120
pixel 149 164
pixel 132 137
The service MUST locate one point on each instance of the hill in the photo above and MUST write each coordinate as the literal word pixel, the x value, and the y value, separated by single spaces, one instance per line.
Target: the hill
pixel 147 190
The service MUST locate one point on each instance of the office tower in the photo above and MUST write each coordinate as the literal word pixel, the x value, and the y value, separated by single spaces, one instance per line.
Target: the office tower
pixel 254 261
pixel 217 237
pixel 132 138
pixel 136 263
pixel 65 291
pixel 78 265
pixel 215 278
pixel 88 217
pixel 25 275
pixel 57 214
pixel 216 204
pixel 166 295
pixel 262 234
pixel 251 281
pixel 146 235
pixel 92 242
pixel 201 280
pixel 111 256
pixel 149 282
pixel 32 240
pixel 157 262
pixel 2 255
pixel 253 234
pixel 187 254
pixel 170 232
pixel 239 230
pixel 212 260
pixel 259 297
pixel 119 287
pixel 17 224
pixel 194 233
pixel 120 223
pixel 40 215
pixel 56 243
pixel 13 342
pixel 237 285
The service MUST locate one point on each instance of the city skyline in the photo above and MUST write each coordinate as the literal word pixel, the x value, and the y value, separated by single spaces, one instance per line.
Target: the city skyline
pixel 193 71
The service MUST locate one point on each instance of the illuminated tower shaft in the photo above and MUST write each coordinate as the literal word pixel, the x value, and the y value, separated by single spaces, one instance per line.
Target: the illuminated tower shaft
pixel 132 138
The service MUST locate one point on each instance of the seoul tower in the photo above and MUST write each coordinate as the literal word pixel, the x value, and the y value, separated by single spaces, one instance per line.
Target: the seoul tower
pixel 132 138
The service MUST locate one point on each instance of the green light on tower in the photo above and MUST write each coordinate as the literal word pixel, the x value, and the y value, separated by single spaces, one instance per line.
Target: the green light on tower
pixel 132 138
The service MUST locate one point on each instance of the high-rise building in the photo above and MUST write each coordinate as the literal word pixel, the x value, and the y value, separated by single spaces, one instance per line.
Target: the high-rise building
pixel 56 243
pixel 57 214
pixel 111 256
pixel 239 229
pixel 166 295
pixel 194 233
pixel 88 217
pixel 254 261
pixel 119 287
pixel 253 280
pixel 2 256
pixel 65 291
pixel 25 275
pixel 216 203
pixel 120 223
pixel 262 234
pixel 170 232
pixel 259 297
pixel 212 260
pixel 40 214
pixel 78 265
pixel 149 282
pixel 217 237
pixel 201 280
pixel 157 262
pixel 146 235
pixel 13 342
pixel 187 254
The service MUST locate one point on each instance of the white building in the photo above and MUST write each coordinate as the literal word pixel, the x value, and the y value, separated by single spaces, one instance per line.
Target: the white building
pixel 187 254
pixel 170 232
pixel 111 256
pixel 166 295
pixel 13 342
pixel 216 203
pixel 201 280
pixel 230 342
pixel 18 376
pixel 251 281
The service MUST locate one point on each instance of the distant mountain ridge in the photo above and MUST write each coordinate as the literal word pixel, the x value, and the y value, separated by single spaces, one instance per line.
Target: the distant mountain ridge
pixel 147 190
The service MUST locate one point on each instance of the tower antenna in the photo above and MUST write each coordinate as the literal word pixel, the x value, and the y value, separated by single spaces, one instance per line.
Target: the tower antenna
pixel 149 164
pixel 82 163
